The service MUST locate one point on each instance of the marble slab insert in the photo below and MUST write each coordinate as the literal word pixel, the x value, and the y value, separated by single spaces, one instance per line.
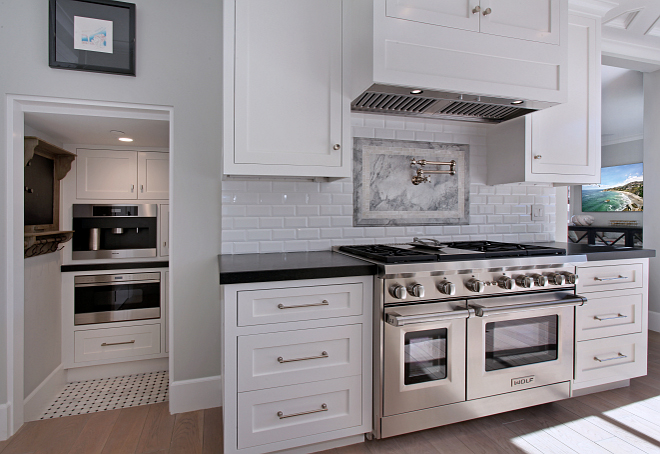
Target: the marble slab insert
pixel 385 195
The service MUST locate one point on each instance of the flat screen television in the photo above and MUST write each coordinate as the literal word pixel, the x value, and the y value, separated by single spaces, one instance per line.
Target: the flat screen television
pixel 621 188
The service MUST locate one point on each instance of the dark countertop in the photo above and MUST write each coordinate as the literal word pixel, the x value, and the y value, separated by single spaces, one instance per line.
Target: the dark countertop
pixel 598 252
pixel 243 268
pixel 114 266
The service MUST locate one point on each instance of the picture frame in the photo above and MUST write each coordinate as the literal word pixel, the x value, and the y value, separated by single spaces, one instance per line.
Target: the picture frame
pixel 92 35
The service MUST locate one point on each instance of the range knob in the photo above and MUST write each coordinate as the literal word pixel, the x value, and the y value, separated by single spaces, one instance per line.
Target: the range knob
pixel 506 282
pixel 570 277
pixel 540 280
pixel 416 290
pixel 448 288
pixel 399 292
pixel 557 279
pixel 525 281
pixel 475 285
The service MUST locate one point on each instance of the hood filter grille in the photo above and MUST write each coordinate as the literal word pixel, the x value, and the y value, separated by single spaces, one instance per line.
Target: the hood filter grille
pixel 398 103
pixel 488 111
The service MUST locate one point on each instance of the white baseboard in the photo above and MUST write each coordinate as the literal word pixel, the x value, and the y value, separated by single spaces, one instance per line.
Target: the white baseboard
pixel 117 369
pixel 197 394
pixel 654 321
pixel 38 401
pixel 4 421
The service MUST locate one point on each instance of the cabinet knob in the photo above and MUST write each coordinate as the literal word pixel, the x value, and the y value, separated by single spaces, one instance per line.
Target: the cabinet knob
pixel 336 146
pixel 476 9
pixel 132 187
pixel 141 188
pixel 487 11
pixel 537 156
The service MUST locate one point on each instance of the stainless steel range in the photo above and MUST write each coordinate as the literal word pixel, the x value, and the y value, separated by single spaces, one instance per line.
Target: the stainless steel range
pixel 468 329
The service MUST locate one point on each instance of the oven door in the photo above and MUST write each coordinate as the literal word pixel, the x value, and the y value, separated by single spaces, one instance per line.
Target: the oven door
pixel 423 356
pixel 520 342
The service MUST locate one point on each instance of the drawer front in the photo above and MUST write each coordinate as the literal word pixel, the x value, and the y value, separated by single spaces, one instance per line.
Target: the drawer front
pixel 614 358
pixel 280 359
pixel 272 415
pixel 112 343
pixel 610 277
pixel 278 305
pixel 609 314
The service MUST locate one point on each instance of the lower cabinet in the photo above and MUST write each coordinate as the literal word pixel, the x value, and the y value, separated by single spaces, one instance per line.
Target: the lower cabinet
pixel 611 329
pixel 296 363
pixel 112 343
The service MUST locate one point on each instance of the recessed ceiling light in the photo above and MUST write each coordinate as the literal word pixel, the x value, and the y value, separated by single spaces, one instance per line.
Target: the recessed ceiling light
pixel 416 92
pixel 116 131
pixel 126 139
pixel 517 102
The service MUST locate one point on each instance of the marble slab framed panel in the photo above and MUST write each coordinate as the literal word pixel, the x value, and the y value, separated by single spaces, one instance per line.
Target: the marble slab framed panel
pixel 383 191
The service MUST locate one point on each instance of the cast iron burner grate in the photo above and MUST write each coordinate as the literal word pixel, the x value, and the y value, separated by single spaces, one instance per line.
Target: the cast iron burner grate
pixel 497 249
pixel 388 254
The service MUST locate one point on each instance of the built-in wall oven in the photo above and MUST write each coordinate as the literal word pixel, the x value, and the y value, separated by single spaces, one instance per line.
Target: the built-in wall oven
pixel 104 298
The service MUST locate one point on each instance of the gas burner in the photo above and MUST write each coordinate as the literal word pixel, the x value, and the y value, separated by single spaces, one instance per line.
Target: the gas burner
pixel 389 254
pixel 497 249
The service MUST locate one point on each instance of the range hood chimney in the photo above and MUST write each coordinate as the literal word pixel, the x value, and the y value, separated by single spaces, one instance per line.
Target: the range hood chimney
pixel 417 102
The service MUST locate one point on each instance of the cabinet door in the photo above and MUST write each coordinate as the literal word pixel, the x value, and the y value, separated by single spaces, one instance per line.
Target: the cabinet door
pixel 288 87
pixel 153 175
pixel 448 13
pixel 164 230
pixel 533 20
pixel 106 174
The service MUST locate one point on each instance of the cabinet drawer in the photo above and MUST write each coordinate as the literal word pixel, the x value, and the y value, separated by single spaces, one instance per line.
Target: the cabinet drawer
pixel 111 343
pixel 609 314
pixel 610 277
pixel 272 415
pixel 277 305
pixel 280 359
pixel 614 358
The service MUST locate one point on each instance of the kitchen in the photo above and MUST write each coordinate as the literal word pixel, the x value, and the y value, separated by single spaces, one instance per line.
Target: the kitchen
pixel 195 180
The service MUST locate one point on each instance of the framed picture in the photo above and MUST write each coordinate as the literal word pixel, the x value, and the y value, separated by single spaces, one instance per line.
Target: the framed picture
pixel 92 35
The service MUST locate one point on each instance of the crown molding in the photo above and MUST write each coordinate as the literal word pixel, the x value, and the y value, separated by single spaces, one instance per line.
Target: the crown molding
pixel 593 7
pixel 619 140
pixel 650 56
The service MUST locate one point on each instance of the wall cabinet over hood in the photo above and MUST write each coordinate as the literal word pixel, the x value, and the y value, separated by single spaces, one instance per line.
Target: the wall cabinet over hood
pixel 485 55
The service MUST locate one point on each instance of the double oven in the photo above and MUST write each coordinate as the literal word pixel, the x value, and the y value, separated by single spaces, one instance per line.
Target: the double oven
pixel 463 339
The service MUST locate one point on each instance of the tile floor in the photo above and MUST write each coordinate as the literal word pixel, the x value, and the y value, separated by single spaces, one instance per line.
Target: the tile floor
pixel 109 394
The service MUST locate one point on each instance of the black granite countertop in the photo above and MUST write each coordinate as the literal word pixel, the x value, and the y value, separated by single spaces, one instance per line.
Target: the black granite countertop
pixel 242 268
pixel 598 252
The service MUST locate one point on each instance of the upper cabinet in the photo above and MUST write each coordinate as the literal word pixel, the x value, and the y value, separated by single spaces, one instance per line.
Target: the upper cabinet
pixel 285 113
pixel 562 144
pixel 122 175
pixel 536 20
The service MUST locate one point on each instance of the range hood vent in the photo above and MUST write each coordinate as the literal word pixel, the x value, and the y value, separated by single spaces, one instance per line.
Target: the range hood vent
pixel 390 100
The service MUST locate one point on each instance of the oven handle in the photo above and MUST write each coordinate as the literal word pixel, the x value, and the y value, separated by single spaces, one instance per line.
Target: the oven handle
pixel 481 311
pixel 103 284
pixel 395 319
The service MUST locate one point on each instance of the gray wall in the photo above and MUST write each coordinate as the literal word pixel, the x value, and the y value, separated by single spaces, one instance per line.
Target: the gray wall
pixel 652 183
pixel 179 65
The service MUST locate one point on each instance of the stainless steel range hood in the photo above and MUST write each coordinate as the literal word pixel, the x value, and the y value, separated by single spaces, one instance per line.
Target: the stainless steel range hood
pixel 391 100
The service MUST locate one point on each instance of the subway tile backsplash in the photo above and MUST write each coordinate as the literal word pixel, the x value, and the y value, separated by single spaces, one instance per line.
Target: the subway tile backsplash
pixel 262 215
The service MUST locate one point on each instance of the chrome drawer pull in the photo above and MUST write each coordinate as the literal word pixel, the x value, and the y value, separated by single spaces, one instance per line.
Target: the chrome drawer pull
pixel 322 303
pixel 104 344
pixel 610 278
pixel 609 318
pixel 322 355
pixel 620 356
pixel 281 415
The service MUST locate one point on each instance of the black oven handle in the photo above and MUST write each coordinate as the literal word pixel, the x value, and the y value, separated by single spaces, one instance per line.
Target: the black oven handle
pixel 481 311
pixel 127 282
pixel 395 319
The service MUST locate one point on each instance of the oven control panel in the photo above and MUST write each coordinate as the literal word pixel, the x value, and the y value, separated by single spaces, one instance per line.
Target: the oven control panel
pixel 473 283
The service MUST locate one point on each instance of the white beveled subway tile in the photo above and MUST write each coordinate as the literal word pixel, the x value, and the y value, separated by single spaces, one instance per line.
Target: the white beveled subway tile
pixel 462 138
pixel 478 237
pixel 443 137
pixel 415 230
pixel 485 209
pixel 404 134
pixel 534 228
pixel 488 228
pixel 342 199
pixel 424 136
pixel 486 190
pixel 526 199
pixel 353 232
pixel 295 222
pixel 227 223
pixel 434 230
pixel 259 235
pixel 347 187
pixel 295 246
pixel 518 189
pixel 395 231
pixel 331 210
pixel 495 199
pixel 319 245
pixel 477 140
pixel 357 120
pixel 502 209
pixel 259 186
pixel 542 237
pixel 271 198
pixel 332 233
pixel 534 190
pixel 374 121
pixel 284 186
pixel 433 125
pixel 228 198
pixel 477 199
pixel 511 219
pixel 384 133
pixel 502 228
pixel 451 230
pixel 284 210
pixel 235 211
pixel 233 235
pixel 374 232
pixel 460 238
pixel 246 223
pixel 511 199
pixel 518 228
pixel 308 210
pixel 227 248
pixel 319 221
pixel 271 223
pixel 363 131
pixel 295 199
pixel 259 210
pixel 320 199
pixel 502 189
pixel 494 237
pixel 308 234
pixel 342 241
pixel 526 237
pixel 246 248
pixel 331 187
pixel 525 218
pixel 234 185
pixel 416 124
pixel 510 238
pixel 341 221
pixel 271 246
pixel 494 219
pixel 284 234
pixel 394 123
pixel 307 187
pixel 542 200
pixel 469 229
pixel 452 127
pixel 347 210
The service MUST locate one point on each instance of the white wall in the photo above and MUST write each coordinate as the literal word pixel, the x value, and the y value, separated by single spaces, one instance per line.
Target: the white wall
pixel 178 65
pixel 283 216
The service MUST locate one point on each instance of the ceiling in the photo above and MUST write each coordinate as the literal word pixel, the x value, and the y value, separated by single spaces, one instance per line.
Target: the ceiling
pixel 96 130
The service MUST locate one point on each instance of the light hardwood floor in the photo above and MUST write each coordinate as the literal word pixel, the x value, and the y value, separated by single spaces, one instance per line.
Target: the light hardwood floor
pixel 625 420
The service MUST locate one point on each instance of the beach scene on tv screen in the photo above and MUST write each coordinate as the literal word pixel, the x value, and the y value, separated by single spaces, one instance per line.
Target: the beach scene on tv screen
pixel 621 188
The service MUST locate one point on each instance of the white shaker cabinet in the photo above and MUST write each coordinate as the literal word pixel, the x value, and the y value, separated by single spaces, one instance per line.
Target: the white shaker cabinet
pixel 123 175
pixel 536 20
pixel 285 113
pixel 560 144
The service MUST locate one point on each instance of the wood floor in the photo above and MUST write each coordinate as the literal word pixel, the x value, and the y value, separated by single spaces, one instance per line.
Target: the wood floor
pixel 625 420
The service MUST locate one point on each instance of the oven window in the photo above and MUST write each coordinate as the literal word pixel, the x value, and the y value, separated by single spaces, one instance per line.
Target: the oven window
pixel 110 298
pixel 425 356
pixel 521 342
